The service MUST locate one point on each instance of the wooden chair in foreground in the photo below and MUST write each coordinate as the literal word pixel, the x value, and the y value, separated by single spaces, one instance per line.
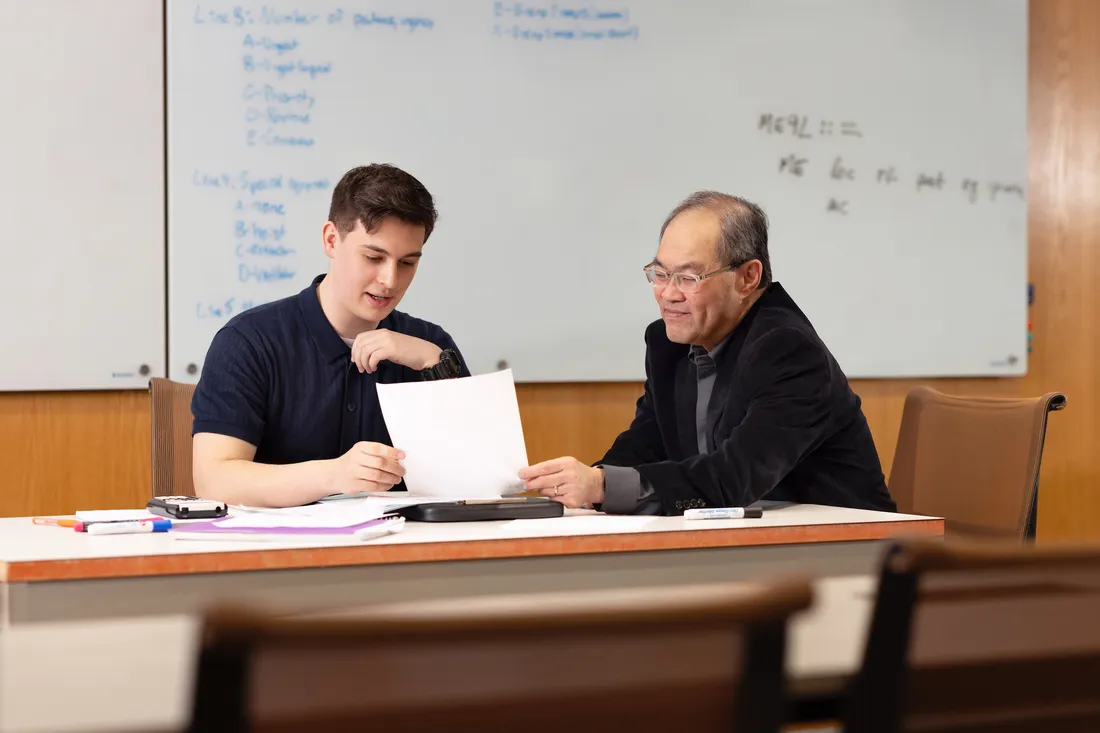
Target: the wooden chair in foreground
pixel 972 460
pixel 170 422
pixel 694 658
pixel 975 639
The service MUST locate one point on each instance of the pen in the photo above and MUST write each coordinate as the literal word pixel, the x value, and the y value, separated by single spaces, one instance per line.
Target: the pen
pixel 89 522
pixel 380 529
pixel 732 512
pixel 55 521
pixel 137 526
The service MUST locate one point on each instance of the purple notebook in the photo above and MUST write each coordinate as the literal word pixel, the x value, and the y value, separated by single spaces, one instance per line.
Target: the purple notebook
pixel 213 528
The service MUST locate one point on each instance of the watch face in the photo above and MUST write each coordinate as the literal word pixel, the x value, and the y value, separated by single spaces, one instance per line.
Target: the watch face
pixel 449 361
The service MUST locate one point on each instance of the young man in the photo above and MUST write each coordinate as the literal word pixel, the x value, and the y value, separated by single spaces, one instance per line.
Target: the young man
pixel 742 399
pixel 286 410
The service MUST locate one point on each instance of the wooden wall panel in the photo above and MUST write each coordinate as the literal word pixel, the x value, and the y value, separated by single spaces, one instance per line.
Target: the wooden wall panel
pixel 63 451
pixel 60 452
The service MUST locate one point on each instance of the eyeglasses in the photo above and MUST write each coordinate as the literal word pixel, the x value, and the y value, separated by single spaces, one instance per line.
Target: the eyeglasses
pixel 686 282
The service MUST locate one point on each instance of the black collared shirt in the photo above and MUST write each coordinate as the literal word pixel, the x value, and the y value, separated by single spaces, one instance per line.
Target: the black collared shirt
pixel 707 410
pixel 278 376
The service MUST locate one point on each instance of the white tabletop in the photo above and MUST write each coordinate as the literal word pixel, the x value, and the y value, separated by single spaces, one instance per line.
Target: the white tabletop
pixel 137 674
pixel 23 541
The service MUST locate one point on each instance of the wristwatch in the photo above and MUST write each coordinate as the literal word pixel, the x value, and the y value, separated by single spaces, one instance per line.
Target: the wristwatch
pixel 448 367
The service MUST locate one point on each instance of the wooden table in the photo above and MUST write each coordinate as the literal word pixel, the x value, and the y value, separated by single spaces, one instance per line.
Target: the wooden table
pixel 137 674
pixel 51 574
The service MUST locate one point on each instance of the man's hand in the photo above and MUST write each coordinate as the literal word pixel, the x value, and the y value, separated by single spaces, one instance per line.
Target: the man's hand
pixel 565 480
pixel 372 347
pixel 366 467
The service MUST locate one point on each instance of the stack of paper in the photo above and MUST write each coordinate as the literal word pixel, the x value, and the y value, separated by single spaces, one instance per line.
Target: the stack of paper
pixel 324 515
pixel 354 521
pixel 213 531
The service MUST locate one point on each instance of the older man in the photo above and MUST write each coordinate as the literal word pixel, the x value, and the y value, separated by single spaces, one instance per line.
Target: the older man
pixel 742 399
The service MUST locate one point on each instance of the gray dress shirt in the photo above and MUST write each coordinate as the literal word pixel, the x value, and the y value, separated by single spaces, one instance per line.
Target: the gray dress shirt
pixel 625 491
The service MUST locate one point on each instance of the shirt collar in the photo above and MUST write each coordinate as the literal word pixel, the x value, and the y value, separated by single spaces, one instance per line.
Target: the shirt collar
pixel 699 353
pixel 331 346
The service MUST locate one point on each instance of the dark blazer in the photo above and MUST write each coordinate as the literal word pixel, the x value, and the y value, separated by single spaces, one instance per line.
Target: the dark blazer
pixel 790 428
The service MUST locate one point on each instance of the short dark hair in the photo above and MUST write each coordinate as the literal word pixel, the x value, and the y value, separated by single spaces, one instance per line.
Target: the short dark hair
pixel 370 193
pixel 744 234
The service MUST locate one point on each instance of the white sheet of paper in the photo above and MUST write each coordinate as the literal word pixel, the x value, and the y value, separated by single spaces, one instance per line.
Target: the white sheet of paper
pixel 584 524
pixel 115 515
pixel 462 437
pixel 341 514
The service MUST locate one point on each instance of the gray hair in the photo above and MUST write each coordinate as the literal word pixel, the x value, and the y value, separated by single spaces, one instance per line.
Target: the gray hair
pixel 744 234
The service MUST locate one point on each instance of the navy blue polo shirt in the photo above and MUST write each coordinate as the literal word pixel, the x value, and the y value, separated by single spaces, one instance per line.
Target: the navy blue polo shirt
pixel 278 376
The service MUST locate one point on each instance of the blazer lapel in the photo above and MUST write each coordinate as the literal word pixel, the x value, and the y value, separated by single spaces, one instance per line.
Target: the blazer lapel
pixel 726 367
pixel 684 399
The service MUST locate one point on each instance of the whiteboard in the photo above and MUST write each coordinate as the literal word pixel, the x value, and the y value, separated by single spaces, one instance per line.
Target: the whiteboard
pixel 886 140
pixel 82 232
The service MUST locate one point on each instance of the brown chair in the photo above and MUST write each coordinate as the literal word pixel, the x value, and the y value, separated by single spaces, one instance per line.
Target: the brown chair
pixel 975 639
pixel 693 658
pixel 170 413
pixel 972 460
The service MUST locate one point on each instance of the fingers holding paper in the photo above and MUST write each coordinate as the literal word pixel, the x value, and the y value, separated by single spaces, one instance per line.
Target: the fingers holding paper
pixel 367 467
pixel 565 480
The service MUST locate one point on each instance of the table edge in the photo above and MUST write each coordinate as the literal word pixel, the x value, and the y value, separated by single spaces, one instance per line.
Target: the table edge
pixel 295 558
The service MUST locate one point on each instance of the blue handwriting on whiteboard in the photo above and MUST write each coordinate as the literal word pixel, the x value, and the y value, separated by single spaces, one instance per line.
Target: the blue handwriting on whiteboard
pixel 262 207
pixel 271 16
pixel 272 139
pixel 537 10
pixel 268 44
pixel 254 183
pixel 263 274
pixel 276 117
pixel 298 186
pixel 244 16
pixel 263 250
pixel 242 230
pixel 522 33
pixel 286 68
pixel 224 309
pixel 362 19
pixel 271 95
pixel 209 180
pixel 214 17
pixel 413 23
pixel 367 20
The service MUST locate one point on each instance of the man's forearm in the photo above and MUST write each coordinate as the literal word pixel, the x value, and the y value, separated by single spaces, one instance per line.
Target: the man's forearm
pixel 244 482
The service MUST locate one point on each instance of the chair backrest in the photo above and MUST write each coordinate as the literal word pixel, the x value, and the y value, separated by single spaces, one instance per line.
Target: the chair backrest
pixel 969 638
pixel 699 658
pixel 972 460
pixel 170 418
